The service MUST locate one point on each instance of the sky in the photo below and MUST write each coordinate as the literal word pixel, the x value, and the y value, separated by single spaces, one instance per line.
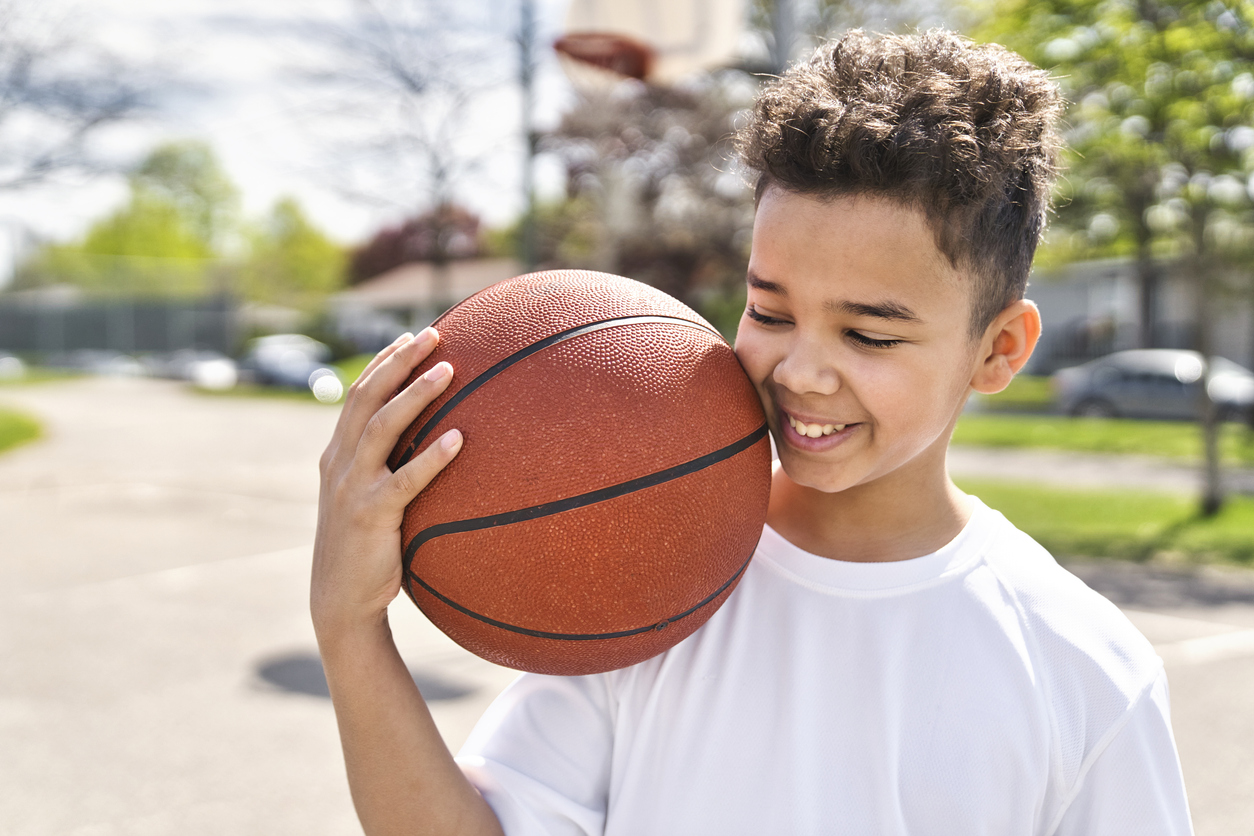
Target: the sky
pixel 243 85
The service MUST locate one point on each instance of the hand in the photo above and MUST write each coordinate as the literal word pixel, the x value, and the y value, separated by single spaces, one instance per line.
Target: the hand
pixel 357 551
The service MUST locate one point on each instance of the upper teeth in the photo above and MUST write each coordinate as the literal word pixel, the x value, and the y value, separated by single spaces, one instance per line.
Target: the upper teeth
pixel 814 430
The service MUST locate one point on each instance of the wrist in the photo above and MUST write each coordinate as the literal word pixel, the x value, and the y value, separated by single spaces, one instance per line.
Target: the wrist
pixel 339 628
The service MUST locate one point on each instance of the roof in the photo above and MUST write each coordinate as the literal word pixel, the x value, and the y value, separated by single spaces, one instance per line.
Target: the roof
pixel 415 284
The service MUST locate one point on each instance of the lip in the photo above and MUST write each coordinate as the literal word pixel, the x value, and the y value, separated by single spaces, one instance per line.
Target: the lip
pixel 812 445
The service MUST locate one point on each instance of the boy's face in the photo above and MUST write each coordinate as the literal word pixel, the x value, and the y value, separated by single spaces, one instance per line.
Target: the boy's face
pixel 856 337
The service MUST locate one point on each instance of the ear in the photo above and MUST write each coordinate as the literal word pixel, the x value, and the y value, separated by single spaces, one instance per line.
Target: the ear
pixel 1006 346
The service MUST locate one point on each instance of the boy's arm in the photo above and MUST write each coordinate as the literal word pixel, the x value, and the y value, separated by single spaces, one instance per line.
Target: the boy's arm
pixel 402 776
pixel 1133 785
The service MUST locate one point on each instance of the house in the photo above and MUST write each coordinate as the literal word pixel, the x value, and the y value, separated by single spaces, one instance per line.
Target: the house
pixel 1092 308
pixel 410 297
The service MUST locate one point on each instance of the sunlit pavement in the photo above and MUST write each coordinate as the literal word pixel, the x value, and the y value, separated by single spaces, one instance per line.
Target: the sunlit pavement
pixel 158 673
pixel 1096 471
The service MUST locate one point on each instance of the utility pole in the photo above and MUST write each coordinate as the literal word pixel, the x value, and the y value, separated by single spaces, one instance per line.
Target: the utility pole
pixel 783 34
pixel 526 80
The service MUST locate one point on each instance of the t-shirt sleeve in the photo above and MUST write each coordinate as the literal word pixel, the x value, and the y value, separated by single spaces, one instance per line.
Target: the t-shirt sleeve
pixel 541 753
pixel 1133 785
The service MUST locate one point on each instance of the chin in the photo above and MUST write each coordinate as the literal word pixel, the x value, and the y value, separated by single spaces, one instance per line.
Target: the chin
pixel 813 475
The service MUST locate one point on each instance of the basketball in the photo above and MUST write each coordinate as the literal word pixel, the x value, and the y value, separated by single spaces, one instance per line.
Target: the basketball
pixel 613 481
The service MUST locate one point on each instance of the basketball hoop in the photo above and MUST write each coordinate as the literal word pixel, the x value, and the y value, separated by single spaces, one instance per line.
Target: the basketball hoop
pixel 659 41
pixel 618 54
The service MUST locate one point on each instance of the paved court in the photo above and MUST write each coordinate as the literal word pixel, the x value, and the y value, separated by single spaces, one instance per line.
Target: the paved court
pixel 158 673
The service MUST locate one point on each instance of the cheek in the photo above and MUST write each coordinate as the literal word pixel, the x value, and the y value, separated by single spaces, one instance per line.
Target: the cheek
pixel 910 396
pixel 919 401
pixel 752 352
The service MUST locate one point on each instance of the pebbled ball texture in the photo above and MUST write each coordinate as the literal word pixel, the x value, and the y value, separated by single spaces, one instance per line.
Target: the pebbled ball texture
pixel 612 485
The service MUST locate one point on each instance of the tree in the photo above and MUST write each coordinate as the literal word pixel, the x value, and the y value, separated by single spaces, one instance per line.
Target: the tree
pixel 411 69
pixel 56 92
pixel 649 170
pixel 1160 139
pixel 163 241
pixel 291 262
pixel 187 176
pixel 439 235
pixel 783 29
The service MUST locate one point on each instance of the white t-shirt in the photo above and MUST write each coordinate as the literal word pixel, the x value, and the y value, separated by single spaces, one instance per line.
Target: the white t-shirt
pixel 981 689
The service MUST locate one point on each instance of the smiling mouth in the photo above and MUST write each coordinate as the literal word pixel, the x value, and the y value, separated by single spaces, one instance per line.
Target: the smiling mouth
pixel 814 430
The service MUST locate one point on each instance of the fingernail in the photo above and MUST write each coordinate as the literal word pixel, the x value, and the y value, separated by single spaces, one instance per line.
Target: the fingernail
pixel 425 337
pixel 437 372
pixel 451 440
pixel 403 338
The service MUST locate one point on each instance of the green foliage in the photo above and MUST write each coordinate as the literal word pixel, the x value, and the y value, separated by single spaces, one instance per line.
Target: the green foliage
pixel 1026 393
pixel 566 234
pixel 187 177
pixel 724 309
pixel 1174 439
pixel 162 242
pixel 180 235
pixel 144 248
pixel 352 367
pixel 291 262
pixel 1159 143
pixel 1120 523
pixel 17 428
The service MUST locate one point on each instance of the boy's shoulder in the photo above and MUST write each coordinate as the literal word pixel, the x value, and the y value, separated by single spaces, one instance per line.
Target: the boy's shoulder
pixel 1083 642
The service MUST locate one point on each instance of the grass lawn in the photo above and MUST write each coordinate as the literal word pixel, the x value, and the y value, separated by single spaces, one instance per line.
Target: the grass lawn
pixel 17 428
pixel 349 370
pixel 1175 439
pixel 41 374
pixel 1135 525
pixel 352 367
pixel 1026 393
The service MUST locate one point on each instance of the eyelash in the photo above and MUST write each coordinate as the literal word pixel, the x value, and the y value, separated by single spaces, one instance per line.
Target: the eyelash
pixel 856 336
pixel 862 339
pixel 753 314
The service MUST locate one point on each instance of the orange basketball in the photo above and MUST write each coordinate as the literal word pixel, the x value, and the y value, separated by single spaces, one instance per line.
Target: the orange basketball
pixel 613 481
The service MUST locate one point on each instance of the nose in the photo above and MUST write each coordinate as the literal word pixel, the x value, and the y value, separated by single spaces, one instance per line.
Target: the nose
pixel 807 369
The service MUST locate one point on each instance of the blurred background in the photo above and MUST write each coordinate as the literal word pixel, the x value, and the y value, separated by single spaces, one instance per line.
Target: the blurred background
pixel 213 212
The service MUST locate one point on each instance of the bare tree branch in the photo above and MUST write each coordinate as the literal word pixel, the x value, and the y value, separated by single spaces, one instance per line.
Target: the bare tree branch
pixel 410 72
pixel 56 92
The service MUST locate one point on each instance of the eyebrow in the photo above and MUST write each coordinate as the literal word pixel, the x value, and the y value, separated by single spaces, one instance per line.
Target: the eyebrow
pixel 880 310
pixel 758 283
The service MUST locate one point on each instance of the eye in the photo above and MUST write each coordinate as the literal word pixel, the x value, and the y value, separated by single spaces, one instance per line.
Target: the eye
pixel 869 342
pixel 757 316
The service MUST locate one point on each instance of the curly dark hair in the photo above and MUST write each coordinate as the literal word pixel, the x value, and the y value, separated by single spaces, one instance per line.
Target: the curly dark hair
pixel 963 131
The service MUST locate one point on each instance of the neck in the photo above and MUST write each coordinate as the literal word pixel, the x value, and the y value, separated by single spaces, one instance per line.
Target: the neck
pixel 908 513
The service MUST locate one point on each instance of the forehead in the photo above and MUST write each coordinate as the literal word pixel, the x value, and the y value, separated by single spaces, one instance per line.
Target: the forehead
pixel 852 248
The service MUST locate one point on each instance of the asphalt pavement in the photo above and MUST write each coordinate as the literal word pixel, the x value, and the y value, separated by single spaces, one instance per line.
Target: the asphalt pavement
pixel 159 674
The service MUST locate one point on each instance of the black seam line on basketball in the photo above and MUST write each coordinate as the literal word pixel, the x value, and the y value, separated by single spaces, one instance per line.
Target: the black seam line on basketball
pixel 526 352
pixel 570 503
pixel 581 637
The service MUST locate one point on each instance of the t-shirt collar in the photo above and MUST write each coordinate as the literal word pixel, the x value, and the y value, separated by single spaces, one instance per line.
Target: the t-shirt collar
pixel 894 576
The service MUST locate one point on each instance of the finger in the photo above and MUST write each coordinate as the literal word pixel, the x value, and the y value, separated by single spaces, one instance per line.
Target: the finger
pixel 375 362
pixel 385 427
pixel 405 483
pixel 374 391
pixel 384 354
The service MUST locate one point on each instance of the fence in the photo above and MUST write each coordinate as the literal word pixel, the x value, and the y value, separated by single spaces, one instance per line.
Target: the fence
pixel 125 325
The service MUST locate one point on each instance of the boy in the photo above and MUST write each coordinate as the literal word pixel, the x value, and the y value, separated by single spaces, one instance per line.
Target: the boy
pixel 898 659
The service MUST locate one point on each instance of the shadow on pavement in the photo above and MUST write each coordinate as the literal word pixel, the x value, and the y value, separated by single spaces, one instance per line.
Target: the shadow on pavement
pixel 1141 586
pixel 301 673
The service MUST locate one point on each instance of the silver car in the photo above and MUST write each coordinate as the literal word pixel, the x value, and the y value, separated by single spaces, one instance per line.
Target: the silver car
pixel 1152 383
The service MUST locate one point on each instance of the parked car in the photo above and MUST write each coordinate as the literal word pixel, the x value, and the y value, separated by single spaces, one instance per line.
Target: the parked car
pixel 1152 383
pixel 11 368
pixel 95 361
pixel 293 361
pixel 202 368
